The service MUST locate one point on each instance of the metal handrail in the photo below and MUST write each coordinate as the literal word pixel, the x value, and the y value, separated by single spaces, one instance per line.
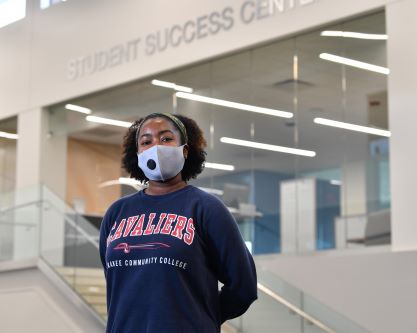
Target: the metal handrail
pixel 19 224
pixel 5 210
pixel 66 218
pixel 76 226
pixel 294 308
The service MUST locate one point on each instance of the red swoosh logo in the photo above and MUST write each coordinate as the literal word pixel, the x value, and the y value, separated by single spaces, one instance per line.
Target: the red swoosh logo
pixel 146 246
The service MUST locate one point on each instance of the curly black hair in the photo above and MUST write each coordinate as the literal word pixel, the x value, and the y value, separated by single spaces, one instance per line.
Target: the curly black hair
pixel 194 164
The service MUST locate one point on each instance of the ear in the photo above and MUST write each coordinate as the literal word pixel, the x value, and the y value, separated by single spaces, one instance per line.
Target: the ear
pixel 185 151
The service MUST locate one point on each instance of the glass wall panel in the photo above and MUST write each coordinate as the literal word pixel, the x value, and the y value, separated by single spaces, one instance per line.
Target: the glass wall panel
pixel 294 182
pixel 366 171
pixel 319 91
pixel 94 175
pixel 227 80
pixel 273 87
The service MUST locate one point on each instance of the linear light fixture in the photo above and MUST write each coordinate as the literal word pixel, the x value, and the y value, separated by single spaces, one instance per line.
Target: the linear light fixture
pixel 129 181
pixel 336 182
pixel 258 145
pixel 354 63
pixel 12 11
pixel 352 127
pixel 108 121
pixel 171 85
pixel 77 108
pixel 219 166
pixel 234 105
pixel 350 34
pixel 123 181
pixel 11 136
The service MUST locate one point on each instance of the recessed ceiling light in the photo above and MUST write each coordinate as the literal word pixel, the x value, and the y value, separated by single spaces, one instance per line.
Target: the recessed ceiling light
pixel 129 181
pixel 108 121
pixel 234 105
pixel 350 34
pixel 11 136
pixel 258 145
pixel 77 108
pixel 354 63
pixel 219 166
pixel 171 85
pixel 352 127
pixel 123 181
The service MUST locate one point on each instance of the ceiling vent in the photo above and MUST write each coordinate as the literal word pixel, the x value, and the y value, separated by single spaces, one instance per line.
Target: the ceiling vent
pixel 288 84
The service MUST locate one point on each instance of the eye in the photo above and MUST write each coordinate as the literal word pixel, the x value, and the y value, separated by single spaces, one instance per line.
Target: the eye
pixel 144 143
pixel 166 139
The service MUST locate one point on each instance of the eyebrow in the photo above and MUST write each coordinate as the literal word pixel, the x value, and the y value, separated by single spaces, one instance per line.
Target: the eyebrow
pixel 160 133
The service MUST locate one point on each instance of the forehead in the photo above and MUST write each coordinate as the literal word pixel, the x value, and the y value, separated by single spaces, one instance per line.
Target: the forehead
pixel 157 124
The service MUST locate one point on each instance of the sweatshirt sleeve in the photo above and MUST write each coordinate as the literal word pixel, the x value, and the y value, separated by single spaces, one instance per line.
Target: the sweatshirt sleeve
pixel 233 262
pixel 103 240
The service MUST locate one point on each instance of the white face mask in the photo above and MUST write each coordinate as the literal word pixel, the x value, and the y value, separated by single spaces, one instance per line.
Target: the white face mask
pixel 161 162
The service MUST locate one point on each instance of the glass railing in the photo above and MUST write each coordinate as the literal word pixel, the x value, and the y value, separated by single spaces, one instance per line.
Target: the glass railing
pixel 20 213
pixel 79 244
pixel 75 255
pixel 41 225
pixel 282 307
pixel 267 315
pixel 19 231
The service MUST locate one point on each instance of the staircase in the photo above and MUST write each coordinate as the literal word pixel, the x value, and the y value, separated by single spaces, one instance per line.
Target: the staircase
pixel 89 283
pixel 32 227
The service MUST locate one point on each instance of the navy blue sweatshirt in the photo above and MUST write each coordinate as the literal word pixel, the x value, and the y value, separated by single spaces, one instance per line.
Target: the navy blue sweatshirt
pixel 163 256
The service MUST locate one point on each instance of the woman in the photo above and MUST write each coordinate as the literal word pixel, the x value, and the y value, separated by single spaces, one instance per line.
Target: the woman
pixel 165 248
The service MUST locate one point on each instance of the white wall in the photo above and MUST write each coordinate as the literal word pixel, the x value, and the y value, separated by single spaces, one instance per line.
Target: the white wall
pixel 353 191
pixel 376 290
pixel 39 161
pixel 29 303
pixel 402 89
pixel 15 66
pixel 28 164
pixel 37 50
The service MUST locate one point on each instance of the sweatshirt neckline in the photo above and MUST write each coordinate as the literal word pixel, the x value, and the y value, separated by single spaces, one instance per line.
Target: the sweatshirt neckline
pixel 166 195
